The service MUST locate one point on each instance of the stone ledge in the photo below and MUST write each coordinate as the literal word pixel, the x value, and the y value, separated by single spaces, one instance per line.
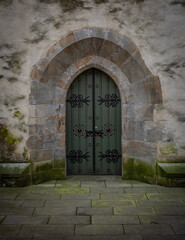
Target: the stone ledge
pixel 14 169
pixel 15 174
pixel 172 170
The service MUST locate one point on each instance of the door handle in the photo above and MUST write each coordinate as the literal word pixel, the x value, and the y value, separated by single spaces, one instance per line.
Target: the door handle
pixel 96 133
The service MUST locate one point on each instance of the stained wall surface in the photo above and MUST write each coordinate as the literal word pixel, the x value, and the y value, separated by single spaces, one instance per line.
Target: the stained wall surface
pixel 30 28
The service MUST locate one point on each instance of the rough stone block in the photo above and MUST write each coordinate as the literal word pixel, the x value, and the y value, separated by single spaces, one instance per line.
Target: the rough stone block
pixel 162 219
pixel 141 190
pixel 9 230
pixel 47 230
pixel 109 203
pixel 128 129
pixel 125 196
pixel 171 211
pixel 162 229
pixel 64 203
pixel 84 33
pixel 68 40
pixel 17 219
pixel 53 51
pixel 41 155
pixel 133 70
pixel 143 111
pixel 140 150
pixel 16 211
pixel 107 190
pixel 115 220
pixel 171 169
pixel 139 94
pixel 127 45
pixel 36 129
pixel 94 211
pixel 55 211
pixel 36 74
pixel 158 203
pixel 59 156
pixel 60 97
pixel 139 130
pixel 134 211
pixel 69 220
pixel 153 91
pixel 51 73
pixel 99 230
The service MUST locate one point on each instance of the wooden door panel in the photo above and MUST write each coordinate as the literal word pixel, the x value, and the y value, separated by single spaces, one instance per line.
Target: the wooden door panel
pixel 93 125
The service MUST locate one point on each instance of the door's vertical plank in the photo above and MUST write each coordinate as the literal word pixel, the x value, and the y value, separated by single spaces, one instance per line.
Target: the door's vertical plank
pixel 79 156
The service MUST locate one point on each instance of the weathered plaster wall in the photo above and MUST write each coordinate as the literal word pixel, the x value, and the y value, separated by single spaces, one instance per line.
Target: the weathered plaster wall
pixel 29 28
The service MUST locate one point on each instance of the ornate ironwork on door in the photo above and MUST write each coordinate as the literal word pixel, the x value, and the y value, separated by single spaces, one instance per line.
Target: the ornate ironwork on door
pixel 77 100
pixel 93 125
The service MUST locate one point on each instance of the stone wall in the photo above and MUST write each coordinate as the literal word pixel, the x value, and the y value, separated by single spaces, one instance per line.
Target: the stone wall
pixel 29 29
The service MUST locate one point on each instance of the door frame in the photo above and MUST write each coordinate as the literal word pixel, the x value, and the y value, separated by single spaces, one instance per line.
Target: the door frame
pixel 116 55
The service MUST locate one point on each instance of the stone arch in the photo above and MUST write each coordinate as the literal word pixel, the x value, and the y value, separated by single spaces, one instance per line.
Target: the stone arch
pixel 140 90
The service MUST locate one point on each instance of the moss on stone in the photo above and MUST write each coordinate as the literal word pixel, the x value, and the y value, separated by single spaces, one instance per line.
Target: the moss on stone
pixel 18 114
pixel 101 1
pixel 168 149
pixel 6 2
pixel 7 137
pixel 70 5
pixel 137 169
pixel 7 143
pixel 114 10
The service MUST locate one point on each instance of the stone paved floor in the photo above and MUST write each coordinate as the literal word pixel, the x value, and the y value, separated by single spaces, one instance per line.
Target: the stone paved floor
pixel 93 207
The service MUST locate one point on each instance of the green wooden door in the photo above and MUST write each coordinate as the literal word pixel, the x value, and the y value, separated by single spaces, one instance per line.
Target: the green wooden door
pixel 93 125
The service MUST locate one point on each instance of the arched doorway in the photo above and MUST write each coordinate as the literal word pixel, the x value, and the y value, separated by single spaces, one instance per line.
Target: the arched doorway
pixel 93 121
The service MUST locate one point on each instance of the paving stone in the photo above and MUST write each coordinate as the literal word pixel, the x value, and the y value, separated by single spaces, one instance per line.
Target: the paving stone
pixel 170 210
pixel 123 196
pixel 162 237
pixel 53 238
pixel 141 190
pixel 7 195
pixel 162 219
pixel 106 190
pixel 115 220
pixel 136 183
pixel 1 219
pixel 17 219
pixel 16 238
pixel 80 196
pixel 161 229
pixel 72 190
pixel 98 229
pixel 158 203
pixel 169 190
pixel 69 220
pixel 109 203
pixel 97 184
pixel 51 230
pixel 38 196
pixel 134 211
pixel 7 230
pixel 179 228
pixel 94 211
pixel 166 196
pixel 11 203
pixel 64 203
pixel 119 183
pixel 34 203
pixel 56 211
pixel 64 183
pixel 16 211
pixel 106 237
